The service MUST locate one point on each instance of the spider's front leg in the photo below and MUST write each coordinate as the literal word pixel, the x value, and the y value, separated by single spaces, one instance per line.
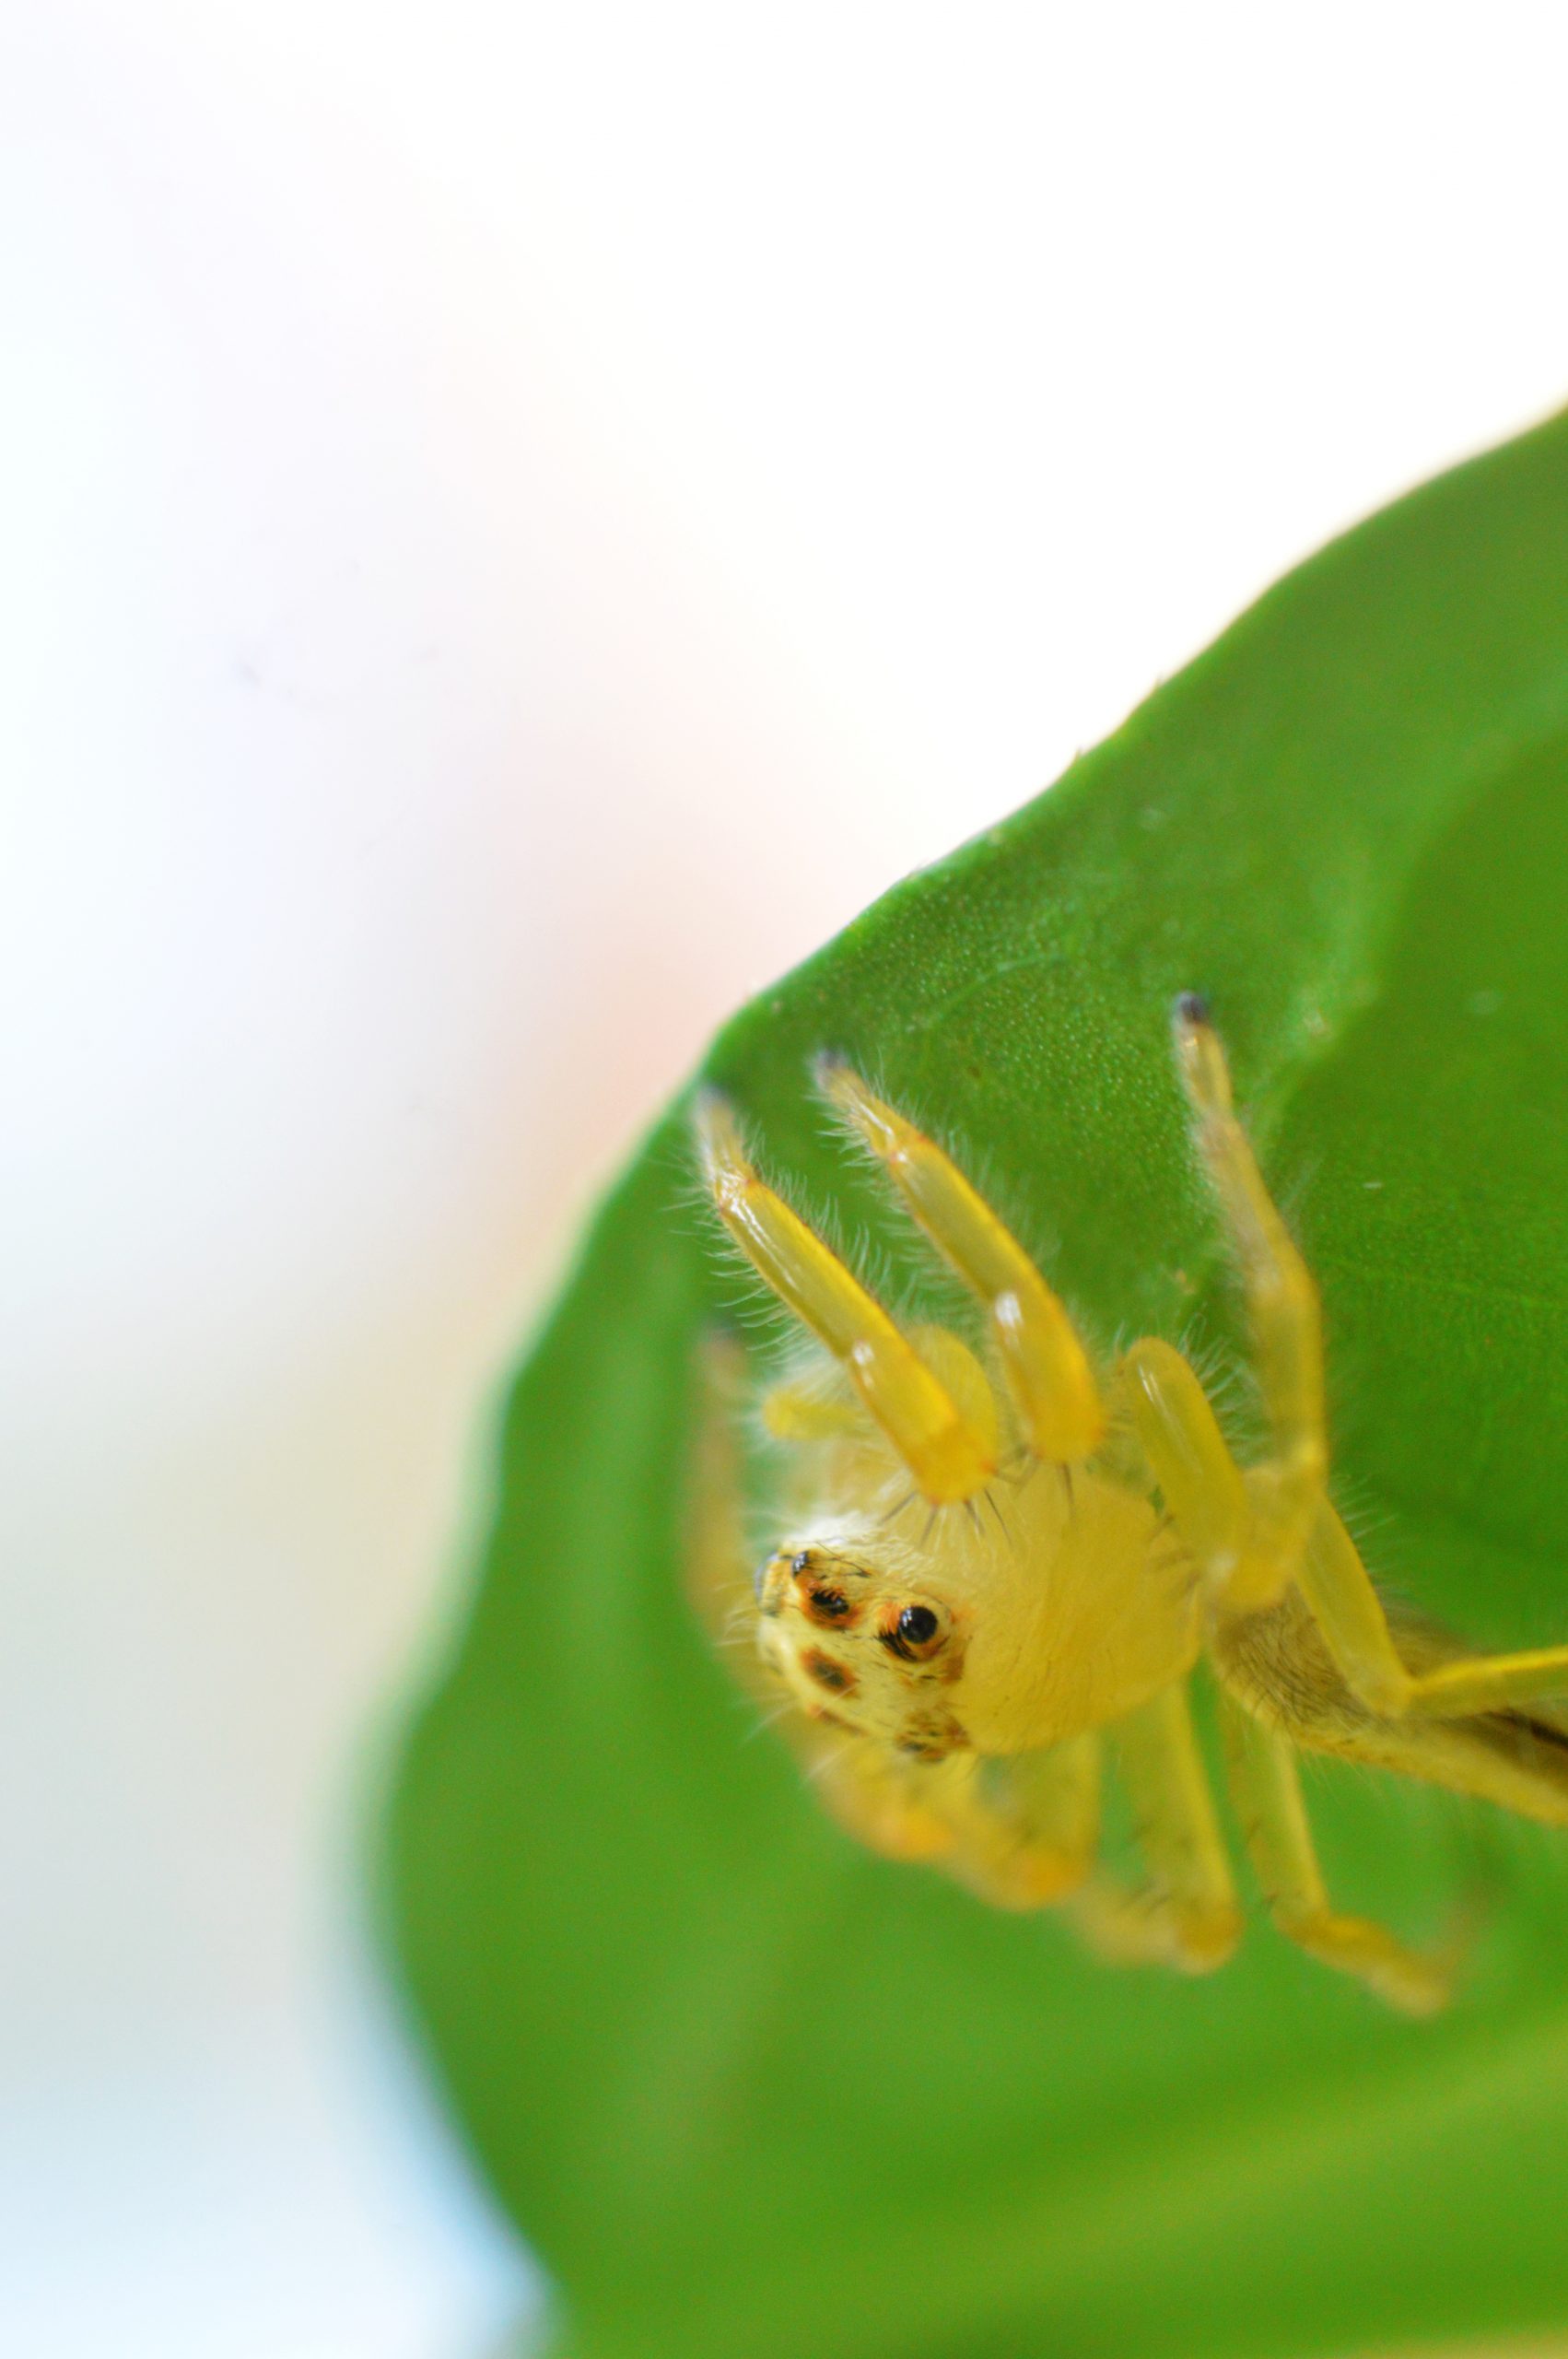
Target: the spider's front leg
pixel 945 1451
pixel 1046 1367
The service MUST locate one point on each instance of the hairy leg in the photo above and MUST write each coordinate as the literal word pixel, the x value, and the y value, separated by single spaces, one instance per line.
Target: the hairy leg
pixel 1291 1531
pixel 1267 1788
pixel 1020 1834
pixel 1282 1303
pixel 1161 1399
pixel 1033 1827
pixel 1350 1614
pixel 1046 1367
pixel 946 1456
pixel 1186 1915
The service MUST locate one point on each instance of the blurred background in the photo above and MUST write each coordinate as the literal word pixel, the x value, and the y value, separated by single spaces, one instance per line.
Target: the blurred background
pixel 518 522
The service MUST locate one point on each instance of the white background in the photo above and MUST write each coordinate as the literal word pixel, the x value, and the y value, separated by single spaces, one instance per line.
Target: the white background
pixel 516 523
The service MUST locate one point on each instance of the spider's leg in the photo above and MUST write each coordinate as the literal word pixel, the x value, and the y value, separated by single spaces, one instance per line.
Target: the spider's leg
pixel 946 1455
pixel 1046 1367
pixel 1186 1915
pixel 1349 1612
pixel 1160 1397
pixel 1020 1834
pixel 887 1804
pixel 1490 1683
pixel 1029 1828
pixel 1282 1302
pixel 1267 1788
pixel 1293 1530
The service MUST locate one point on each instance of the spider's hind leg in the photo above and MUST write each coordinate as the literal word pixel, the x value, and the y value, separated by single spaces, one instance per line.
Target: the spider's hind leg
pixel 1266 1787
pixel 1186 1914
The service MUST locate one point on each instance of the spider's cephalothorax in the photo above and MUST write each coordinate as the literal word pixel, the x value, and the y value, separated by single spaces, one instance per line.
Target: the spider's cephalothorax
pixel 992 1563
pixel 982 1631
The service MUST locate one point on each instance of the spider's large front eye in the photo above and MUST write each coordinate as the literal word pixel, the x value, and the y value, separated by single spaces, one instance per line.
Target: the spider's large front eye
pixel 916 1634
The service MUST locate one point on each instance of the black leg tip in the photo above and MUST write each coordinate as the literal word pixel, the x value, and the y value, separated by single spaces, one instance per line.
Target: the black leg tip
pixel 1191 1008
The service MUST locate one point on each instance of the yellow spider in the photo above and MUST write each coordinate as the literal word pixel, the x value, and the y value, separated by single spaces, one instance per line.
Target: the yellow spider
pixel 985 1567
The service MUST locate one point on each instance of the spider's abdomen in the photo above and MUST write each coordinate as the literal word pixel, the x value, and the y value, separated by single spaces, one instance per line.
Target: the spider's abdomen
pixel 1278 1665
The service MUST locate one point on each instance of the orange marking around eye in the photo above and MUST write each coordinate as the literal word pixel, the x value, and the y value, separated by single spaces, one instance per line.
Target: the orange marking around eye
pixel 830 1609
pixel 915 1652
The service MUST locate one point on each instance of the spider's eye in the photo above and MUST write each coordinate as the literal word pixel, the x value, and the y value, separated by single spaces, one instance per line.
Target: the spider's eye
pixel 915 1634
pixel 831 1603
pixel 802 1563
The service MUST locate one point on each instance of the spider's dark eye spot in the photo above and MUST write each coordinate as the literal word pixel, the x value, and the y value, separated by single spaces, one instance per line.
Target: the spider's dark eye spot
pixel 830 1609
pixel 802 1563
pixel 915 1634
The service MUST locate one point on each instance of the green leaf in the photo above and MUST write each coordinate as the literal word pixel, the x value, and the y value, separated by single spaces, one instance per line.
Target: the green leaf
pixel 750 2091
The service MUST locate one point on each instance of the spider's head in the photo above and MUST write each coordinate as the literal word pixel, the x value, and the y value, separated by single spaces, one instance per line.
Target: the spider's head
pixel 866 1650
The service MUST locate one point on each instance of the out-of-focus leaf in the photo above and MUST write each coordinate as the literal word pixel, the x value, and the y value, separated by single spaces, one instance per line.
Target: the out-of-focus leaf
pixel 750 2091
